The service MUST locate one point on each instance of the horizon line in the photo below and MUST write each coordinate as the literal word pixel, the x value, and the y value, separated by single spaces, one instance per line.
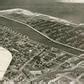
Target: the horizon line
pixel 70 1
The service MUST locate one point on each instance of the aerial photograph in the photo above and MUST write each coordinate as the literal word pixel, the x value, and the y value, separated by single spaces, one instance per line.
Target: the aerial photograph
pixel 41 42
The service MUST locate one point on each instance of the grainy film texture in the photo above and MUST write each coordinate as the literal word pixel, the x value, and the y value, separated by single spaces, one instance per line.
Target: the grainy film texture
pixel 44 49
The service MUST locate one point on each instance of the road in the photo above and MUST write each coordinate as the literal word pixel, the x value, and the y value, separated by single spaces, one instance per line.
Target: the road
pixel 35 35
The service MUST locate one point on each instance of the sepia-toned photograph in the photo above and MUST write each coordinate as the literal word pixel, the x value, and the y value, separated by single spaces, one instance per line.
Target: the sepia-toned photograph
pixel 41 41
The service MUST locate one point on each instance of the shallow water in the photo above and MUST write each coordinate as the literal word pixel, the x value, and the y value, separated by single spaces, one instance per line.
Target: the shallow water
pixel 71 12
